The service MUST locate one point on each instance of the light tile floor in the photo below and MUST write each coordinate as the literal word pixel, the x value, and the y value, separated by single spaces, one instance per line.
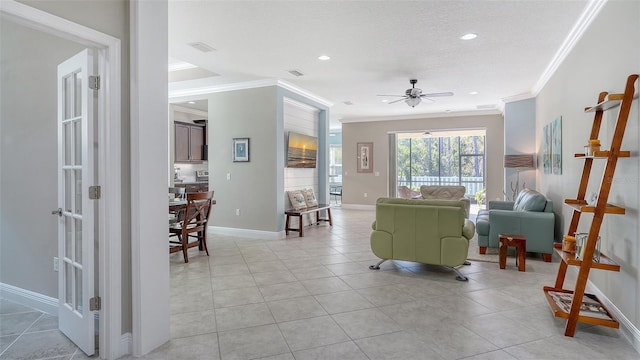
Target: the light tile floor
pixel 315 298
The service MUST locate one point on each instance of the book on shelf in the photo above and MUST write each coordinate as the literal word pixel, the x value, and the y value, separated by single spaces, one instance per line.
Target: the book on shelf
pixel 589 306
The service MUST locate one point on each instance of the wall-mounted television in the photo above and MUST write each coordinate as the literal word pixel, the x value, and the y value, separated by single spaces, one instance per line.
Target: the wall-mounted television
pixel 301 150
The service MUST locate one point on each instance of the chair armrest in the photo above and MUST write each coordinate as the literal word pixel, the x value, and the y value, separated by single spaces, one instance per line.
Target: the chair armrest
pixel 373 225
pixel 382 244
pixel 467 206
pixel 468 229
pixel 500 205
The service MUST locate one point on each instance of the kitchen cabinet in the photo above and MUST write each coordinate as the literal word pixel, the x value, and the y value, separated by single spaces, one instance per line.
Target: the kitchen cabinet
pixel 190 141
pixel 194 187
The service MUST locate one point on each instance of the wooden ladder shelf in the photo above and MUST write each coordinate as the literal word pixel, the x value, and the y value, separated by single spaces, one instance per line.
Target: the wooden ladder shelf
pixel 579 310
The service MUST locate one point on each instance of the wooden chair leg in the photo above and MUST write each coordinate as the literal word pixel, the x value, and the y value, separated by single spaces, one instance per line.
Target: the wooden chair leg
pixel 204 241
pixel 184 247
pixel 329 215
pixel 483 249
pixel 546 257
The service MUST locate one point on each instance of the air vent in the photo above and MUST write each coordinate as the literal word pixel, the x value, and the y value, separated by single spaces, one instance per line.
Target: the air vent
pixel 295 73
pixel 202 46
pixel 347 102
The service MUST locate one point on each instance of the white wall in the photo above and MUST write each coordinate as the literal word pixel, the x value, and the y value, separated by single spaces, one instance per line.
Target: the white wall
pixel 519 138
pixel 601 61
pixel 302 119
pixel 354 184
pixel 28 156
pixel 251 186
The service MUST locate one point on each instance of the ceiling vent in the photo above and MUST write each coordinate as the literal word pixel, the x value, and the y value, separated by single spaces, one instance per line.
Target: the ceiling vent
pixel 201 46
pixel 295 73
pixel 347 102
pixel 487 106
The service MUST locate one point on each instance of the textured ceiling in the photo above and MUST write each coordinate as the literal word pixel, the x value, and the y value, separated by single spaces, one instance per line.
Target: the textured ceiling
pixel 376 47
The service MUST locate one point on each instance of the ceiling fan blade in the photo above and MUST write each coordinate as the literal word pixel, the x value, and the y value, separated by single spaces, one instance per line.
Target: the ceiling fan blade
pixel 393 95
pixel 395 101
pixel 437 94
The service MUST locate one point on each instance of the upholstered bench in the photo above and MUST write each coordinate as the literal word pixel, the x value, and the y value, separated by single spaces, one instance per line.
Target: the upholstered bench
pixel 308 210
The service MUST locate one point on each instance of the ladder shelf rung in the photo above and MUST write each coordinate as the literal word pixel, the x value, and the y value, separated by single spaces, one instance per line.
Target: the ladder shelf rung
pixel 581 206
pixel 603 154
pixel 610 102
pixel 605 262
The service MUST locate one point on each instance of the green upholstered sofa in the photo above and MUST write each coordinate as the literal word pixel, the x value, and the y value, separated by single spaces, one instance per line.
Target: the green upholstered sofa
pixel 432 232
pixel 530 215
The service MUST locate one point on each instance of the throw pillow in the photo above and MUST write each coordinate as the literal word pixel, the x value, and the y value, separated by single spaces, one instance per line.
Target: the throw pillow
pixel 297 199
pixel 310 197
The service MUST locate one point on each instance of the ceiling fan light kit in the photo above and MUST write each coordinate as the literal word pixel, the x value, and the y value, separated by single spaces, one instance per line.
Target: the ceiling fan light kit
pixel 413 96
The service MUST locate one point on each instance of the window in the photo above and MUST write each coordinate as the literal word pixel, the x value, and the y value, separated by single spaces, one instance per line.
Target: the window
pixel 335 158
pixel 449 158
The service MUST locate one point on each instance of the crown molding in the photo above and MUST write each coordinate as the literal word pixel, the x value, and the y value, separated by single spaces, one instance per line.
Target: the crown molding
pixel 300 105
pixel 523 96
pixel 187 110
pixel 217 88
pixel 495 111
pixel 590 12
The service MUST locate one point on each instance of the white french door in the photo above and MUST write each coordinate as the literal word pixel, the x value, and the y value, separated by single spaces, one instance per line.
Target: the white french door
pixel 76 213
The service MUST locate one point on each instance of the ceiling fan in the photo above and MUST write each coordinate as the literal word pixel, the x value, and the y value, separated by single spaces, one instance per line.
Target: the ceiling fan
pixel 414 95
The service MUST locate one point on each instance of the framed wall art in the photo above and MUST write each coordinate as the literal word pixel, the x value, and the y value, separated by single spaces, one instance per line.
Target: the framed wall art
pixel 241 150
pixel 364 156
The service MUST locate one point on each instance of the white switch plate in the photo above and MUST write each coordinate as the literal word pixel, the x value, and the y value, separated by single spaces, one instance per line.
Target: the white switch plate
pixel 376 173
pixel 228 176
pixel 237 212
pixel 365 194
pixel 56 264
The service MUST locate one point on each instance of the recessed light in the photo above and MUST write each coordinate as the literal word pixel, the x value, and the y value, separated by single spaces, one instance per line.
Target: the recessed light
pixel 468 36
pixel 385 100
pixel 191 102
pixel 324 57
pixel 473 93
pixel 348 102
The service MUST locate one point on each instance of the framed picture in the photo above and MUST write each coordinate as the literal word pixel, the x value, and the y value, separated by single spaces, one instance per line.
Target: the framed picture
pixel 546 149
pixel 556 146
pixel 365 157
pixel 241 150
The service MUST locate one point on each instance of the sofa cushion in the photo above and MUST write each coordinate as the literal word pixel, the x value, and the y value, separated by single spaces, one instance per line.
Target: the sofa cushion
pixel 529 200
pixel 442 192
pixel 297 199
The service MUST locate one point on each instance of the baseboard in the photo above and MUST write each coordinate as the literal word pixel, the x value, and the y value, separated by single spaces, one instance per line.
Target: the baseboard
pixel 126 345
pixel 629 331
pixel 29 298
pixel 358 207
pixel 254 234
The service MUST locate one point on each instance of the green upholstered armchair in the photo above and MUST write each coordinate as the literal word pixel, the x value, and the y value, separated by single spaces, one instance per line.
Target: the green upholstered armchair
pixel 432 232
pixel 530 215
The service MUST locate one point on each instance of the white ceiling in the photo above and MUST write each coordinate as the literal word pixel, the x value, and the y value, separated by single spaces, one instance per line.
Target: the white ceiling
pixel 376 47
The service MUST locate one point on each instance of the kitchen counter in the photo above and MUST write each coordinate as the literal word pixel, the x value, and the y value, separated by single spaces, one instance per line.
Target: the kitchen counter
pixel 194 186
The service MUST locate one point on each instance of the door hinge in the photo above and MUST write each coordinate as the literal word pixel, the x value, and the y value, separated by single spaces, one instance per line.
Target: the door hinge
pixel 94 82
pixel 94 192
pixel 95 303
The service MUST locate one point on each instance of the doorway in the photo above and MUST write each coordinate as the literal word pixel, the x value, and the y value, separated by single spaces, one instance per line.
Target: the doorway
pixel 438 157
pixel 28 178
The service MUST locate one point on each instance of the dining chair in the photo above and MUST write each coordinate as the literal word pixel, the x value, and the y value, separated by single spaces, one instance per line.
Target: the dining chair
pixel 193 225
pixel 177 193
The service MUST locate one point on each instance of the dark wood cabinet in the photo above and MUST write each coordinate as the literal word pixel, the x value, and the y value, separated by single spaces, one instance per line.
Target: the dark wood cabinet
pixel 190 141
pixel 193 187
